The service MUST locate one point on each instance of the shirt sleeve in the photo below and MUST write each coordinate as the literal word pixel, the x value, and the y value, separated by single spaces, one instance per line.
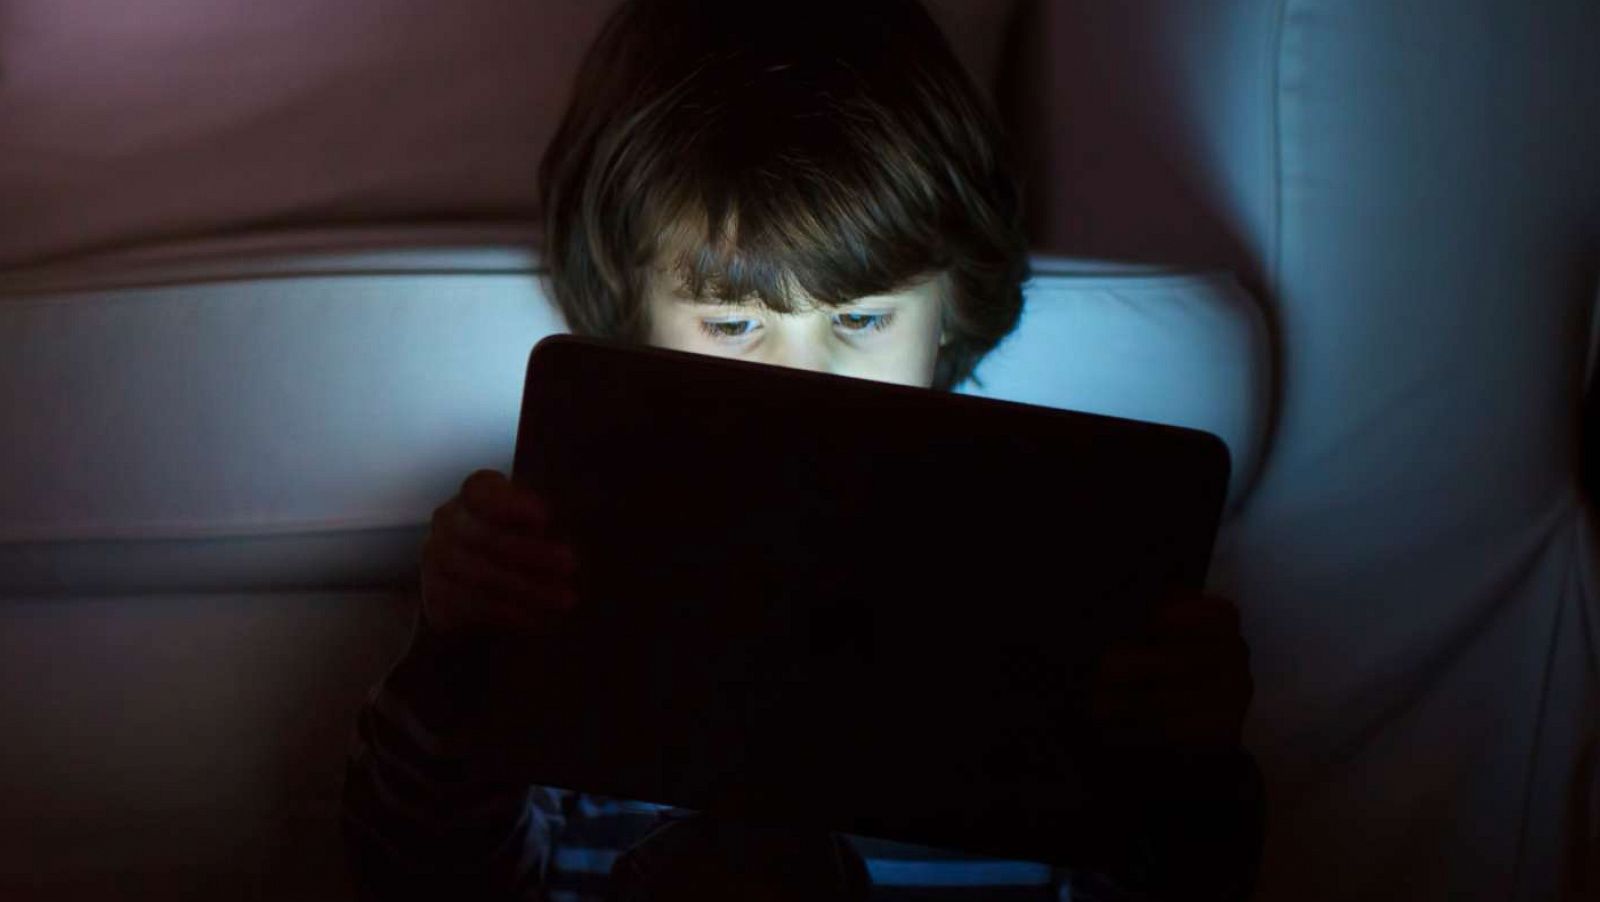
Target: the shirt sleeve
pixel 419 821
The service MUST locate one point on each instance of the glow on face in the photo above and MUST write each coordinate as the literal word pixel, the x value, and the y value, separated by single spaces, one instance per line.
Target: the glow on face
pixel 888 337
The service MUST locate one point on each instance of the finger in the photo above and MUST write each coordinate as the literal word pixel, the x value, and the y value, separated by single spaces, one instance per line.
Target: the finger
pixel 504 545
pixel 1197 613
pixel 1204 726
pixel 1130 665
pixel 1139 663
pixel 493 499
pixel 453 522
pixel 1122 729
pixel 1193 722
pixel 534 556
pixel 455 605
pixel 1220 699
pixel 1174 663
pixel 1224 686
pixel 488 581
pixel 1156 681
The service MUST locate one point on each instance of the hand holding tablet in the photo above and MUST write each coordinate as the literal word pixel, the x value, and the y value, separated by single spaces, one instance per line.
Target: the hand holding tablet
pixel 1183 682
pixel 828 601
pixel 490 565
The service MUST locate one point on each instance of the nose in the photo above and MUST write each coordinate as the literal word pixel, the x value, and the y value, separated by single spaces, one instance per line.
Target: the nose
pixel 802 340
pixel 803 354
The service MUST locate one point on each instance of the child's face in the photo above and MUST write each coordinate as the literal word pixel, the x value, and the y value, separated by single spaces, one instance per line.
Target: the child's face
pixel 887 337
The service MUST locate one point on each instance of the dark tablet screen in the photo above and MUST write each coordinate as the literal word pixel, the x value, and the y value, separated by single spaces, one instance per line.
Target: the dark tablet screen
pixel 835 602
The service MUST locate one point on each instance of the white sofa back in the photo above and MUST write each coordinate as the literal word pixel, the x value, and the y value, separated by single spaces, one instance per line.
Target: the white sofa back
pixel 219 418
pixel 1408 188
pixel 1412 189
pixel 223 459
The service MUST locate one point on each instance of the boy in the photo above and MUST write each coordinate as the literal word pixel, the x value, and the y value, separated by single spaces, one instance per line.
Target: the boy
pixel 810 185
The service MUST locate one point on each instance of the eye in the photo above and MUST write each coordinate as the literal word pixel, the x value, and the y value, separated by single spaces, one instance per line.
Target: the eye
pixel 864 322
pixel 728 329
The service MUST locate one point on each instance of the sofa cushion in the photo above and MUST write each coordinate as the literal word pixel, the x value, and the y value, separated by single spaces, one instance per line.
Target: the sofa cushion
pixel 232 417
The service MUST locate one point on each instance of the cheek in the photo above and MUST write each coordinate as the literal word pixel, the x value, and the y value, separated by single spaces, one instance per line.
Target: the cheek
pixel 929 369
pixel 932 331
pixel 665 325
pixel 912 364
pixel 671 332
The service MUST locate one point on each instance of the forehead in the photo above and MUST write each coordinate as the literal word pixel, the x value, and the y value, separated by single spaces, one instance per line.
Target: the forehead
pixel 673 285
pixel 692 265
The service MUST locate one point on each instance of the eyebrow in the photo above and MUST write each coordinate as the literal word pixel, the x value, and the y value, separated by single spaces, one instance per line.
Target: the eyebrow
pixel 682 298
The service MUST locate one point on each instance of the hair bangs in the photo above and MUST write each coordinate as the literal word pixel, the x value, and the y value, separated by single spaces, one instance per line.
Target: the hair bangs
pixel 772 153
pixel 835 214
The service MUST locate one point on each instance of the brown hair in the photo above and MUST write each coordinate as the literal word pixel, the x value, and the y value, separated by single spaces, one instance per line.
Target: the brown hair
pixel 749 148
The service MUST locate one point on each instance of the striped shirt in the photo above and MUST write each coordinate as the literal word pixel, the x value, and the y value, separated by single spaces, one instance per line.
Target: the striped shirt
pixel 419 822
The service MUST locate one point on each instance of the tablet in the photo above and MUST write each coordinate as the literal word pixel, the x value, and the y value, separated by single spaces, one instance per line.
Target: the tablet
pixel 825 601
